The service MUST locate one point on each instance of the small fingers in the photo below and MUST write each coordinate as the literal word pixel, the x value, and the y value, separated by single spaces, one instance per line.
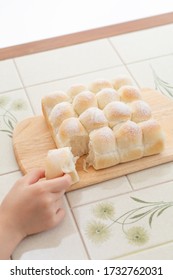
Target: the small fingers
pixel 58 184
pixel 33 176
pixel 59 216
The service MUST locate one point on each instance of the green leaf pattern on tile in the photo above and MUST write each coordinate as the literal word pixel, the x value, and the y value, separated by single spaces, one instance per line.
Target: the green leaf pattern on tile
pixel 8 120
pixel 161 85
pixel 101 228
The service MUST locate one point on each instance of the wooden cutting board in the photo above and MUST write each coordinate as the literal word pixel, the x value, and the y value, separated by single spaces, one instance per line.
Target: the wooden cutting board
pixel 32 140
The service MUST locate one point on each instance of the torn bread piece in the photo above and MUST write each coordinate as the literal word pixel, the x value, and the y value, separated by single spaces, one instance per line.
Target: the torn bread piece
pixel 71 133
pixel 61 161
pixel 102 149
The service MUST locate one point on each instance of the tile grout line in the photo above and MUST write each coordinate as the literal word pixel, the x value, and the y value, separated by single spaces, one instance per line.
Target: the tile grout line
pixel 11 90
pixel 10 172
pixel 71 77
pixel 125 193
pixel 102 199
pixel 154 185
pixel 143 250
pixel 20 77
pixel 123 62
pixel 76 224
pixel 149 58
pixel 135 61
pixel 130 183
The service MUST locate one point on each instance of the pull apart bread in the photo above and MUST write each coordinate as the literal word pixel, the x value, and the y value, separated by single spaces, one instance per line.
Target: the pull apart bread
pixel 107 121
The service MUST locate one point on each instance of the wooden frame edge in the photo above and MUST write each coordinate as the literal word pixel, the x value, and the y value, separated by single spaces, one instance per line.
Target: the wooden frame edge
pixel 85 36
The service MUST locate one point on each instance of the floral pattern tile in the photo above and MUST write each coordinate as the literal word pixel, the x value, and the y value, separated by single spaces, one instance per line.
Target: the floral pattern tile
pixel 154 73
pixel 126 224
pixel 14 107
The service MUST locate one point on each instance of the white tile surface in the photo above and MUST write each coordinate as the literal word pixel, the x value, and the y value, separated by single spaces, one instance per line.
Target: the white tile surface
pixel 6 183
pixel 99 191
pixel 60 243
pixel 142 71
pixel 152 176
pixel 162 252
pixel 66 62
pixel 9 77
pixel 144 44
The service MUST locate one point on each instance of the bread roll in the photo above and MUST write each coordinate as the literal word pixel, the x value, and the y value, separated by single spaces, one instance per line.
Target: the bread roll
pixel 102 148
pixel 99 84
pixel 129 141
pixel 72 134
pixel 83 101
pixel 117 112
pixel 105 96
pixel 129 94
pixel 59 162
pixel 75 89
pixel 93 118
pixel 153 137
pixel 59 113
pixel 49 101
pixel 140 111
pixel 120 81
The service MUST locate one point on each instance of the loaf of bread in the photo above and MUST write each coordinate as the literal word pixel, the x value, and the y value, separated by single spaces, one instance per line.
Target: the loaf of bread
pixel 153 137
pixel 129 141
pixel 99 84
pixel 117 112
pixel 129 93
pixel 140 111
pixel 102 148
pixel 93 118
pixel 72 133
pixel 59 113
pixel 61 161
pixel 120 81
pixel 83 101
pixel 105 96
pixel 106 121
pixel 49 101
pixel 74 90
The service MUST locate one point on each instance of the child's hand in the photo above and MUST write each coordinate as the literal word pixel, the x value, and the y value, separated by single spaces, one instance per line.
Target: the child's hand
pixel 33 205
